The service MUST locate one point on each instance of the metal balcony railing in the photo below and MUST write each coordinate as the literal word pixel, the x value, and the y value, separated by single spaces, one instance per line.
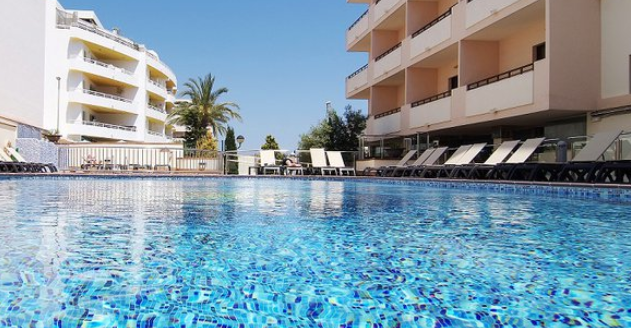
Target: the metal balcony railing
pixel 106 34
pixel 157 108
pixel 502 76
pixel 106 95
pixel 106 65
pixel 110 126
pixel 432 23
pixel 363 68
pixel 432 99
pixel 388 113
pixel 358 20
pixel 158 84
pixel 389 51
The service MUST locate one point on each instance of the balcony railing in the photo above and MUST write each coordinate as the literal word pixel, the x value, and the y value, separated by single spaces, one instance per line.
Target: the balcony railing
pixel 358 19
pixel 363 68
pixel 432 23
pixel 106 34
pixel 158 84
pixel 389 51
pixel 106 65
pixel 153 56
pixel 157 108
pixel 501 76
pixel 155 133
pixel 106 95
pixel 110 126
pixel 432 99
pixel 388 113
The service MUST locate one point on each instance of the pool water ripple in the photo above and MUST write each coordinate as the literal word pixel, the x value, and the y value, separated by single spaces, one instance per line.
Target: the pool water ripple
pixel 279 253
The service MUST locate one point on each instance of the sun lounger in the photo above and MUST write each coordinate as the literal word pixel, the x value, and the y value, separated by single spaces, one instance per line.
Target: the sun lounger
pixel 503 171
pixel 402 162
pixel 8 165
pixel 582 168
pixel 337 161
pixel 268 162
pixel 29 166
pixel 395 170
pixel 318 162
pixel 478 171
pixel 417 171
pixel 463 155
pixel 434 157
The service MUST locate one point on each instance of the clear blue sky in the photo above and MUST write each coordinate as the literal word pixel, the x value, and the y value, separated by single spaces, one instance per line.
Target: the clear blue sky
pixel 281 59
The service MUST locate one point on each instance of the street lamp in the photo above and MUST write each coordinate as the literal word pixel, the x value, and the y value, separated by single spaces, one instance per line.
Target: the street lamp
pixel 240 140
pixel 58 92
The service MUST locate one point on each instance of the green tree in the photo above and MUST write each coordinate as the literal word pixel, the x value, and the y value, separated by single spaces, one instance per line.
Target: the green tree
pixel 204 111
pixel 335 132
pixel 270 143
pixel 231 146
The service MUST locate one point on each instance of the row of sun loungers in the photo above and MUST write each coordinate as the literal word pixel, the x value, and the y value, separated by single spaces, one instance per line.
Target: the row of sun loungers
pixel 509 162
pixel 319 165
pixel 12 162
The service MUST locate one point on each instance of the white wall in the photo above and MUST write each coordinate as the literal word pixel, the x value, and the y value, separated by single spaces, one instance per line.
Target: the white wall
pixel 21 59
pixel 616 47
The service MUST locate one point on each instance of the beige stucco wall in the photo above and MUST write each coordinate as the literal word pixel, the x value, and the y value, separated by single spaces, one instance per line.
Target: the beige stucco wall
pixel 573 48
pixel 478 60
pixel 516 50
pixel 616 47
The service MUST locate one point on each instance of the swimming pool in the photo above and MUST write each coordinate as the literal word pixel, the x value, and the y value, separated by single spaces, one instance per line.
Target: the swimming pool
pixel 97 252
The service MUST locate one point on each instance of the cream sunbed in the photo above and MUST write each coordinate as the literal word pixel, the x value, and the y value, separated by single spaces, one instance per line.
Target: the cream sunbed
pixel 337 161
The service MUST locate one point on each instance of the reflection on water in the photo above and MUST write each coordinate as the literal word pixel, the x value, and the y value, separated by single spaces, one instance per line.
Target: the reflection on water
pixel 290 253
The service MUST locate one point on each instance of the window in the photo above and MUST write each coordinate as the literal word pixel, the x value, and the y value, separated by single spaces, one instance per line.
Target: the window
pixel 539 52
pixel 453 82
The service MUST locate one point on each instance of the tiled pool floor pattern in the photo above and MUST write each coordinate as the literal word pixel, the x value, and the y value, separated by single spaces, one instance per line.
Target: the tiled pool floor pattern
pixel 285 253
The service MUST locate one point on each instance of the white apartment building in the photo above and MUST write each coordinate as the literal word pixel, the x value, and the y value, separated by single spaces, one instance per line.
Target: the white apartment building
pixel 63 70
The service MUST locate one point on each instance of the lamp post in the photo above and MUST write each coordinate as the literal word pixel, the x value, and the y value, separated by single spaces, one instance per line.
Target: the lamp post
pixel 240 140
pixel 58 92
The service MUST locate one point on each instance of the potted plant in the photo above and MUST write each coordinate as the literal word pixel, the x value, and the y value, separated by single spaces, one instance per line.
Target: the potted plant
pixel 52 135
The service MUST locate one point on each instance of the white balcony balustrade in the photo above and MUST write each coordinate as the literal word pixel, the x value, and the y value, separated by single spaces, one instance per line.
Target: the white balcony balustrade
pixel 431 35
pixel 388 61
pixel 357 29
pixel 383 8
pixel 386 123
pixel 507 90
pixel 478 10
pixel 433 110
pixel 357 80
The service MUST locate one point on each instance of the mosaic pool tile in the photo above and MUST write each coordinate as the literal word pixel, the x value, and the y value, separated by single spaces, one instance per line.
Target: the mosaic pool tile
pixel 190 252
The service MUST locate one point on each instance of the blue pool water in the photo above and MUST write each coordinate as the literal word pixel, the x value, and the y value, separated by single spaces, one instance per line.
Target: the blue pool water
pixel 298 253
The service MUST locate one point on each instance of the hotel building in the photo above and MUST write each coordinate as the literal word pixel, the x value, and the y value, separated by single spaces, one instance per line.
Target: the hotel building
pixel 63 70
pixel 456 72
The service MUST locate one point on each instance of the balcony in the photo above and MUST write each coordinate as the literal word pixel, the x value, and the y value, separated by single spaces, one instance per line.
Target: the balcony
pixel 158 88
pixel 478 10
pixel 154 61
pixel 385 123
pixel 85 31
pixel 388 61
pixel 156 112
pixel 357 30
pixel 382 8
pixel 510 89
pixel 102 100
pixel 432 34
pixel 103 130
pixel 432 110
pixel 357 81
pixel 99 68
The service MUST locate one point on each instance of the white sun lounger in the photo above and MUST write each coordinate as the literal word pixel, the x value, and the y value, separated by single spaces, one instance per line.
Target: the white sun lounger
pixel 337 161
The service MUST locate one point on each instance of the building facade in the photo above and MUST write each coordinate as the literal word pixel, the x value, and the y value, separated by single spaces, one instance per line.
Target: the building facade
pixel 455 71
pixel 62 70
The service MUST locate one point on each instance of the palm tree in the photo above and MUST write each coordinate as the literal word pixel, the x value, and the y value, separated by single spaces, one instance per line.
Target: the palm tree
pixel 204 111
